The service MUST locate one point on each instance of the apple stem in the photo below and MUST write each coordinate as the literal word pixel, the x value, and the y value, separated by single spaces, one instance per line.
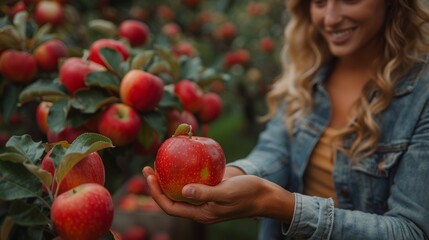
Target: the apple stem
pixel 183 129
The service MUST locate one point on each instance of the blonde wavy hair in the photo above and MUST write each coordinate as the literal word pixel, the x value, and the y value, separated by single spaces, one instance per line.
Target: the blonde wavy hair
pixel 406 33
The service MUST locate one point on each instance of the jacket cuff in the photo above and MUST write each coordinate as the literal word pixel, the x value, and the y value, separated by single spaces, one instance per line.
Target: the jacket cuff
pixel 247 166
pixel 313 218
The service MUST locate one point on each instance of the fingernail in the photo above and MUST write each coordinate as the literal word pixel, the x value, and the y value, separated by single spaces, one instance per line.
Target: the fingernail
pixel 189 192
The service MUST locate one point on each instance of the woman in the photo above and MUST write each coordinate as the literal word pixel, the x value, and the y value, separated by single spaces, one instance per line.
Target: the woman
pixel 345 154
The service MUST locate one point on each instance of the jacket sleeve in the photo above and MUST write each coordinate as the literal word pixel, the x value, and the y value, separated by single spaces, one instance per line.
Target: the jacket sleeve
pixel 269 159
pixel 407 216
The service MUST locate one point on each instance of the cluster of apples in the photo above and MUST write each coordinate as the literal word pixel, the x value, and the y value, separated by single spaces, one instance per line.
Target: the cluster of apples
pixel 80 200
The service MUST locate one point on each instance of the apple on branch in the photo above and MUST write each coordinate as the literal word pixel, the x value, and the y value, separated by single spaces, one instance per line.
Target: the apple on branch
pixel 49 53
pixel 119 122
pixel 211 109
pixel 95 48
pixel 184 159
pixel 141 89
pixel 74 71
pixel 51 12
pixel 42 112
pixel 189 94
pixel 84 212
pixel 18 67
pixel 136 32
pixel 175 118
pixel 88 170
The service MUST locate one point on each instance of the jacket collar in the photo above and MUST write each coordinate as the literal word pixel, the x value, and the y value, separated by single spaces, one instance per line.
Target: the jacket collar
pixel 404 85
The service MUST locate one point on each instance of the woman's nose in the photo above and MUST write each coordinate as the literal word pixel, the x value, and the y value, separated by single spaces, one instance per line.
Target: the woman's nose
pixel 333 15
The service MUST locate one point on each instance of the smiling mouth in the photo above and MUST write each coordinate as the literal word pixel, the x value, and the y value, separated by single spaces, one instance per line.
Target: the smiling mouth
pixel 340 36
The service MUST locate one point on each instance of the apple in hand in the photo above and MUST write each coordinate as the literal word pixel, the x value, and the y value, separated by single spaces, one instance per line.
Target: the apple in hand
pixel 88 170
pixel 84 212
pixel 42 112
pixel 141 89
pixel 48 53
pixel 136 32
pixel 184 159
pixel 189 94
pixel 18 67
pixel 95 48
pixel 119 122
pixel 175 118
pixel 74 71
pixel 212 107
pixel 49 12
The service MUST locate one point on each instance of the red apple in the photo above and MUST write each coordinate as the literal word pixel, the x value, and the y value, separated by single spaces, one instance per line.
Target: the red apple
pixel 68 134
pixel 136 185
pixel 141 90
pixel 16 8
pixel 191 3
pixel 165 13
pixel 42 112
pixel 171 30
pixel 94 50
pixel 49 12
pixel 18 67
pixel 175 118
pixel 119 122
pixel 238 57
pixel 48 53
pixel 189 94
pixel 88 170
pixel 226 31
pixel 84 212
pixel 266 44
pixel 136 32
pixel 212 107
pixel 136 232
pixel 160 236
pixel 73 73
pixel 184 159
pixel 128 202
pixel 183 49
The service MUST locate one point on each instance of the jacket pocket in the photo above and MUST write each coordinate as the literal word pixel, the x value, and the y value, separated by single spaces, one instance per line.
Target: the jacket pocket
pixel 373 176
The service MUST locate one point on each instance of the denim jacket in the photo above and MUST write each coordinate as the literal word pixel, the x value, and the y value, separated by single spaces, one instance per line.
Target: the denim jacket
pixel 385 196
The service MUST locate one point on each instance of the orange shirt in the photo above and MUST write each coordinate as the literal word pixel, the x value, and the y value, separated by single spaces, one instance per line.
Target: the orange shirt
pixel 318 177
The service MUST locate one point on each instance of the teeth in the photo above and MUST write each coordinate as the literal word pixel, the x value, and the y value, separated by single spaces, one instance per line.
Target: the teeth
pixel 341 34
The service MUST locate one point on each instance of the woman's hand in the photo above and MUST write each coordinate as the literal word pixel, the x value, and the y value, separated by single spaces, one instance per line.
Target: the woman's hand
pixel 236 197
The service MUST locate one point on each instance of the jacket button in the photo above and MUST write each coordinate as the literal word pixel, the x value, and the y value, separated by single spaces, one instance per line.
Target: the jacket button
pixel 344 192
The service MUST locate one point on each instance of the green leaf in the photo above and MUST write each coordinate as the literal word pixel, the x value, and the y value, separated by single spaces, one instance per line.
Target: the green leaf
pixel 25 214
pixel 157 121
pixel 160 67
pixel 170 100
pixel 17 182
pixel 112 58
pixel 103 79
pixel 90 100
pixel 80 148
pixel 44 88
pixel 9 38
pixel 210 75
pixel 25 145
pixel 141 60
pixel 172 61
pixel 10 100
pixel 11 155
pixel 57 115
pixel 190 68
pixel 57 154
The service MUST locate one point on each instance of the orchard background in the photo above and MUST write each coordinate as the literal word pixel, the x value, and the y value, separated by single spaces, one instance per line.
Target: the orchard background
pixel 227 49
